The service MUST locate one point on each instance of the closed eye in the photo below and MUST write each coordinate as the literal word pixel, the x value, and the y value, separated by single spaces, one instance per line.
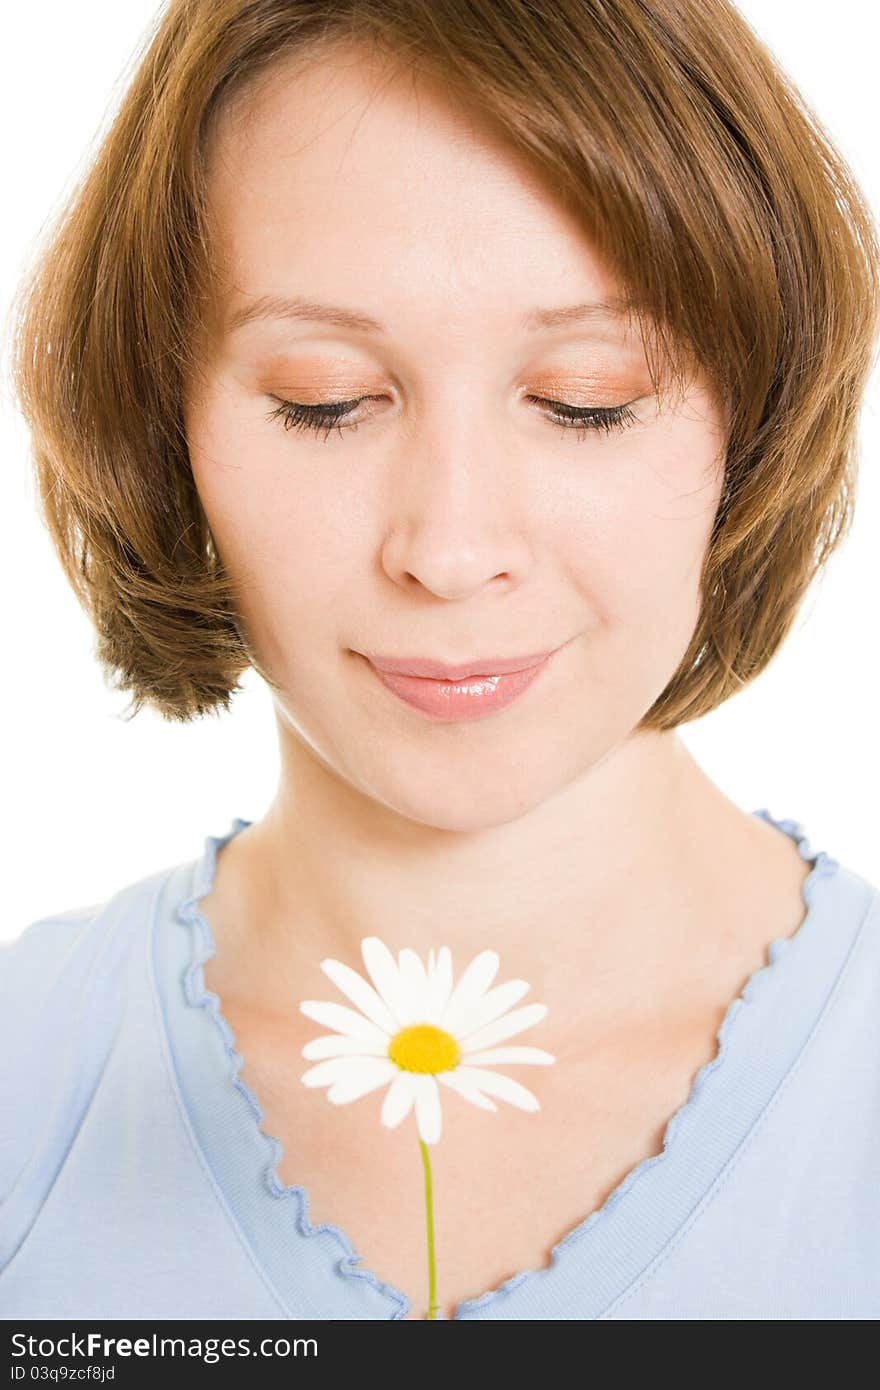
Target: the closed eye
pixel 329 415
pixel 587 417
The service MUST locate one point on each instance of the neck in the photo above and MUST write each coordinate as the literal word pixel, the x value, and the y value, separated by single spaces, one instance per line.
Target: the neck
pixel 607 884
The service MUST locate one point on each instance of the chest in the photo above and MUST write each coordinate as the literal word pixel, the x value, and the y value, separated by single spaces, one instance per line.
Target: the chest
pixel 506 1186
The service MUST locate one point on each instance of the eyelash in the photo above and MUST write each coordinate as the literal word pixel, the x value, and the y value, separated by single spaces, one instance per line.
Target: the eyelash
pixel 329 415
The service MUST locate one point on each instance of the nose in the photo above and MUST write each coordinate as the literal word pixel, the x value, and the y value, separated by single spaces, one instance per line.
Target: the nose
pixel 458 515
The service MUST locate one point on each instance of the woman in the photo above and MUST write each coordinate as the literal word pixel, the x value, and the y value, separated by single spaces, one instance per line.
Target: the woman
pixel 396 350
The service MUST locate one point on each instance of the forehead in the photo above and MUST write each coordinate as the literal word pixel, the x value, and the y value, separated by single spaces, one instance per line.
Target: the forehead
pixel 345 178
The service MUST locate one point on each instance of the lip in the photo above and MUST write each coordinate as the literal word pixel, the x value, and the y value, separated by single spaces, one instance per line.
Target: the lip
pixel 471 696
pixel 449 671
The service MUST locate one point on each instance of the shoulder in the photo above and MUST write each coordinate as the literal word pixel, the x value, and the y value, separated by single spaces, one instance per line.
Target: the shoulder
pixel 851 896
pixel 35 969
pixel 854 895
pixel 54 955
pixel 842 948
pixel 848 902
pixel 65 983
pixel 41 946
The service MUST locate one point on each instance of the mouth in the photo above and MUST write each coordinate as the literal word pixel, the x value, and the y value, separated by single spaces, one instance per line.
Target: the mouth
pixel 449 694
pixel 480 667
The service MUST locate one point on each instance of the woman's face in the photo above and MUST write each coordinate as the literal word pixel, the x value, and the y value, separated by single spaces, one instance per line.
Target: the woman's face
pixel 449 514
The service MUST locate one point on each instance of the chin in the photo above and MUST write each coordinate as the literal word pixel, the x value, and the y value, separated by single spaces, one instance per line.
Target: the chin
pixel 476 800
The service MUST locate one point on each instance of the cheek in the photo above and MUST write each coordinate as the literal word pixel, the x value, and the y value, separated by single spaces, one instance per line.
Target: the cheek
pixel 637 550
pixel 268 522
pixel 284 547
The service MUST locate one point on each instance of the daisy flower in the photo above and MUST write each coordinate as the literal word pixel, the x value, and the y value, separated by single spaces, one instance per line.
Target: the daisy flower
pixel 415 1028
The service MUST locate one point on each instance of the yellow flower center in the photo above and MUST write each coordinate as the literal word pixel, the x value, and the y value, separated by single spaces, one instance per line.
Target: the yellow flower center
pixel 422 1047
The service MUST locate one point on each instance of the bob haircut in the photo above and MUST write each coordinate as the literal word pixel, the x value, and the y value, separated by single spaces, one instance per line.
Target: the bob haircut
pixel 736 230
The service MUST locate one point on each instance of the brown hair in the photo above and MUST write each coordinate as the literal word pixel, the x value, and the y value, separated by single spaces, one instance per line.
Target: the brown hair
pixel 712 192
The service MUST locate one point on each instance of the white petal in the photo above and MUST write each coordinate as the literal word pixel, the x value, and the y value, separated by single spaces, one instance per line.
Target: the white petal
pixel 508 1054
pixel 439 986
pixel 343 1019
pixel 359 992
pixel 504 1027
pixel 414 979
pixel 398 1101
pixel 338 1045
pixel 385 974
pixel 472 986
pixel 466 1088
pixel 326 1072
pixel 490 1006
pixel 497 1084
pixel 429 1116
pixel 361 1080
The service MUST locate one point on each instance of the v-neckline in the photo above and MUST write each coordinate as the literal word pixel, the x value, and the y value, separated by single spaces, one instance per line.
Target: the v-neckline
pixel 598 1260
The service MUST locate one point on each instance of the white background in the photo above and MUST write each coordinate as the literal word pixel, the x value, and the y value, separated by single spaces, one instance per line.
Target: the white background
pixel 92 803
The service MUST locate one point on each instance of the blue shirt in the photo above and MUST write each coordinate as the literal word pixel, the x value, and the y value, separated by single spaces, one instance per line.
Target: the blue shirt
pixel 136 1181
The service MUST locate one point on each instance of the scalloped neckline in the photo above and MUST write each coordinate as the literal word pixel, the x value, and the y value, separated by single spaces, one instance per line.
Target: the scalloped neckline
pixel 616 1248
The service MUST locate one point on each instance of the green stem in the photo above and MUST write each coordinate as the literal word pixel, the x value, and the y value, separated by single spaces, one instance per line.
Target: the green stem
pixel 433 1305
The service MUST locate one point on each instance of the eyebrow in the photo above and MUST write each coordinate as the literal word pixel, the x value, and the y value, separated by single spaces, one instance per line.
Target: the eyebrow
pixel 273 306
